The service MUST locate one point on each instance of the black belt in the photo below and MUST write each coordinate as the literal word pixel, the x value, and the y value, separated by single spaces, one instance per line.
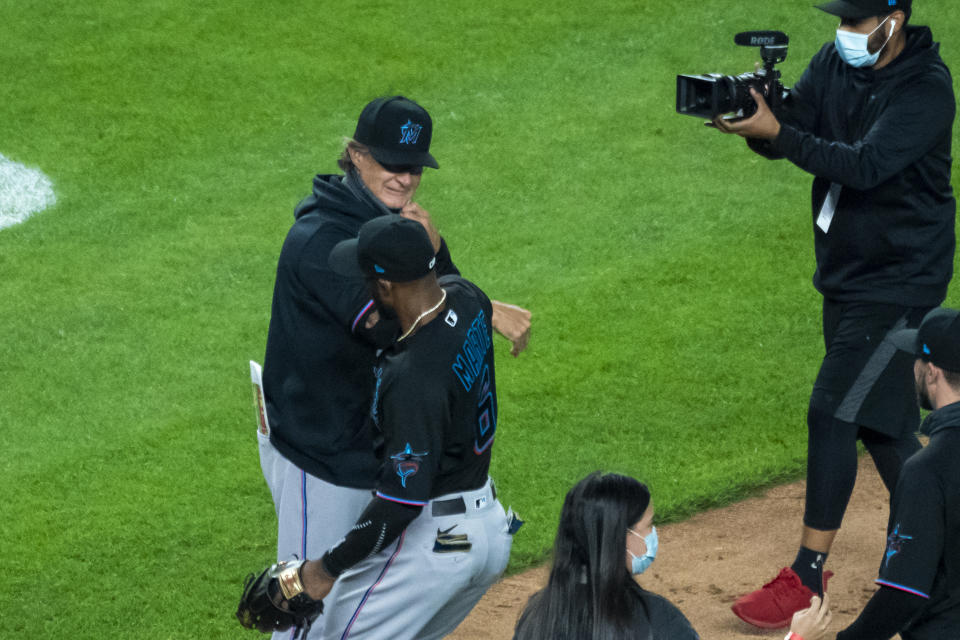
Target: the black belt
pixel 454 506
pixel 450 507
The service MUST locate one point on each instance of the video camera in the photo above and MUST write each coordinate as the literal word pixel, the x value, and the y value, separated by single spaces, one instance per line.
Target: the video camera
pixel 712 94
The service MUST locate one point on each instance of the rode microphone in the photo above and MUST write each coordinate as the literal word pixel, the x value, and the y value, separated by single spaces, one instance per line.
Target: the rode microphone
pixel 761 39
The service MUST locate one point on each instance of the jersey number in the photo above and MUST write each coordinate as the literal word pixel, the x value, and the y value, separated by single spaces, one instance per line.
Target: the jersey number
pixel 486 414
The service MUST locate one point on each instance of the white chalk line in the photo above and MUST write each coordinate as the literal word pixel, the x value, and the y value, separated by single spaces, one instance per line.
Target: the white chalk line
pixel 23 192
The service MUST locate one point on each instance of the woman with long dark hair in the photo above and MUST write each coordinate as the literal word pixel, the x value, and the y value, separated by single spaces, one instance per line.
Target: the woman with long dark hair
pixel 606 536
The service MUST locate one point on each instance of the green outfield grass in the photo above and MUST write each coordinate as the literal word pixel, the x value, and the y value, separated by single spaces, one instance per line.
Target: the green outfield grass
pixel 676 331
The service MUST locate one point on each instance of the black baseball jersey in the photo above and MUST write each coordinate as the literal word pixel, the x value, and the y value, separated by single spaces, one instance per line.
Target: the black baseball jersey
pixel 435 407
pixel 435 402
pixel 923 543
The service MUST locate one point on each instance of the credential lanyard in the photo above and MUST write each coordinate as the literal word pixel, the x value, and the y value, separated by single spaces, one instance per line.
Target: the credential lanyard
pixel 829 207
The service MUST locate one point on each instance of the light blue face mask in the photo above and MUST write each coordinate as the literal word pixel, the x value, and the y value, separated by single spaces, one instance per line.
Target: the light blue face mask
pixel 852 47
pixel 640 563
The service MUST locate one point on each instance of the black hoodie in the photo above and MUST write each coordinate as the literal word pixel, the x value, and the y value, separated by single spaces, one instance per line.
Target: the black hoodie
pixel 884 135
pixel 318 370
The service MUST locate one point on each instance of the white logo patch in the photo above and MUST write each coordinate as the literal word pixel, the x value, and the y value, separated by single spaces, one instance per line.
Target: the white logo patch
pixel 23 192
pixel 451 318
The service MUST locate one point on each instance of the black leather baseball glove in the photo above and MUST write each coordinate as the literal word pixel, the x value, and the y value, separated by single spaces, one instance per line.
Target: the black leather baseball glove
pixel 275 600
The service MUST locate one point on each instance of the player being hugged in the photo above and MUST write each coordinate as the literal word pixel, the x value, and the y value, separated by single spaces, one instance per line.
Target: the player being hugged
pixel 434 537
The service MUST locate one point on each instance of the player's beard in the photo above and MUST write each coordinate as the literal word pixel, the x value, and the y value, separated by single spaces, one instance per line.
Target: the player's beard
pixel 923 398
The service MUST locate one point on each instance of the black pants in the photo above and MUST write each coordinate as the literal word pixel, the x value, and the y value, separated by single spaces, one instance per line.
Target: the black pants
pixel 864 390
pixel 832 465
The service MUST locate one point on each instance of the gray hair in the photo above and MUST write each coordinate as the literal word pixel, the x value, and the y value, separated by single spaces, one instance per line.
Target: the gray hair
pixel 345 162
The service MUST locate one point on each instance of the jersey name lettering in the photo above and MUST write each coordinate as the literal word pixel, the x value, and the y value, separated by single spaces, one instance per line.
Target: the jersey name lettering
pixel 469 361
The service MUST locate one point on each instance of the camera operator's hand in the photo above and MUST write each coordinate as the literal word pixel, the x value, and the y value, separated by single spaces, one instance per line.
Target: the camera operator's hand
pixel 763 124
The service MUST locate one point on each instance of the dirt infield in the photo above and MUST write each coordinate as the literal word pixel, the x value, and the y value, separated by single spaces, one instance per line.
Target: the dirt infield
pixel 706 562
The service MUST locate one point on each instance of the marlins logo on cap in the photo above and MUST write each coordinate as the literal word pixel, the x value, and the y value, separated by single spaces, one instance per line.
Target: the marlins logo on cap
pixel 409 133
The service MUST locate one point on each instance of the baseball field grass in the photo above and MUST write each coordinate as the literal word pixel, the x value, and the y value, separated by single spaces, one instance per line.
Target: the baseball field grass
pixel 676 331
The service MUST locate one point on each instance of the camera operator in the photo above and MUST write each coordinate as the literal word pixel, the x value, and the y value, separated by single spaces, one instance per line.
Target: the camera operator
pixel 871 118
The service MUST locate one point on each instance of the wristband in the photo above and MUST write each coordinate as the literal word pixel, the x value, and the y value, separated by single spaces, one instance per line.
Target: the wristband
pixel 792 636
pixel 290 581
pixel 291 584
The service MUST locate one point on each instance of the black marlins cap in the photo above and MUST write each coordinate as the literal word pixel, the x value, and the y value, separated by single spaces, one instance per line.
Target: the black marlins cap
pixel 858 9
pixel 937 340
pixel 388 247
pixel 397 131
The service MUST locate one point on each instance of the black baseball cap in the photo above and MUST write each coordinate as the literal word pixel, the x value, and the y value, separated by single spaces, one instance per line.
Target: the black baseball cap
pixel 859 9
pixel 397 131
pixel 388 247
pixel 937 340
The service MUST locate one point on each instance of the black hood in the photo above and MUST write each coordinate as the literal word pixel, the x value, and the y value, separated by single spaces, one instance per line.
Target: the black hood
pixel 920 50
pixel 342 196
pixel 946 417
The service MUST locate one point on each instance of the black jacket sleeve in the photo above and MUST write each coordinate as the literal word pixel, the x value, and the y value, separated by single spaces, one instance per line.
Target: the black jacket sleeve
pixel 915 118
pixel 799 110
pixel 345 299
pixel 887 612
pixel 909 127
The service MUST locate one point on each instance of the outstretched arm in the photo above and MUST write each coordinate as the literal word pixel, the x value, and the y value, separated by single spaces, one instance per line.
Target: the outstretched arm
pixel 513 323
pixel 509 320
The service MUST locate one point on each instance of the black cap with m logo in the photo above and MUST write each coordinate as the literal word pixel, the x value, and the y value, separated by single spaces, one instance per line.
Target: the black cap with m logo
pixel 397 131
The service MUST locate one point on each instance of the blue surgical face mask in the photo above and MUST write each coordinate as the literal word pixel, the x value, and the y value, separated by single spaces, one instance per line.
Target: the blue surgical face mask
pixel 852 47
pixel 640 563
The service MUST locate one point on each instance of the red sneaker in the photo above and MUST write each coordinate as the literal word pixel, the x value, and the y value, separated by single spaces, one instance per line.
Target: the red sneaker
pixel 773 606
